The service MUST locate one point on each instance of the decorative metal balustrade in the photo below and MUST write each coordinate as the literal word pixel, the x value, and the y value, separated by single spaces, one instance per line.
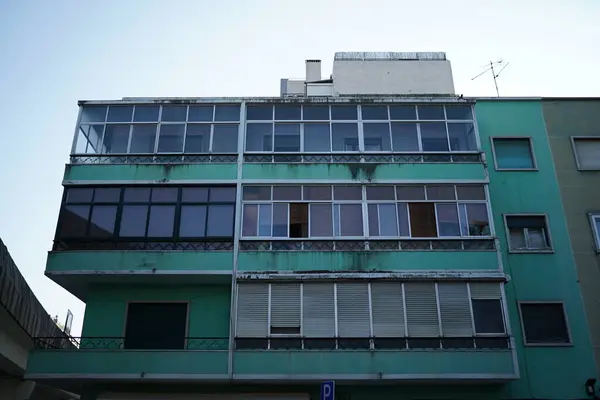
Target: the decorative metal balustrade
pixel 370 245
pixel 121 343
pixel 336 158
pixel 375 343
pixel 66 245
pixel 153 158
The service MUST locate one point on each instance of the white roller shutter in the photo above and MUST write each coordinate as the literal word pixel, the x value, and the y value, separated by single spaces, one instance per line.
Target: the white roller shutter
pixel 353 310
pixel 421 310
pixel 387 309
pixel 455 309
pixel 318 310
pixel 285 305
pixel 252 310
pixel 485 290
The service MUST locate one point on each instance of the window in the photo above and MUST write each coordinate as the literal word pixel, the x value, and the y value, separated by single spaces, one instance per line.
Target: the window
pixel 528 233
pixel 363 315
pixel 544 323
pixel 595 221
pixel 146 129
pixel 513 154
pixel 121 214
pixel 169 334
pixel 587 152
pixel 416 211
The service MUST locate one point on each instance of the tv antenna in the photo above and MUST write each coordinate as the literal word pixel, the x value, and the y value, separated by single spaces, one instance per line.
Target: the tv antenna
pixel 499 64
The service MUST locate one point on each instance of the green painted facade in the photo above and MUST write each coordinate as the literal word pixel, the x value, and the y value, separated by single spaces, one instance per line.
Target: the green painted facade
pixel 558 372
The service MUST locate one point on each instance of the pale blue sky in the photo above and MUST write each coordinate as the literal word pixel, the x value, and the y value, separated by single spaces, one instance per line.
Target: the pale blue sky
pixel 53 53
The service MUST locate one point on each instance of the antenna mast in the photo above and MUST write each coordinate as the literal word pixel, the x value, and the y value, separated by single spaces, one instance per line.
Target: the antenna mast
pixel 499 63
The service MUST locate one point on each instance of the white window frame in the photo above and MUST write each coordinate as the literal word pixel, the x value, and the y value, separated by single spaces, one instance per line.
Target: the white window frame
pixel 566 319
pixel 547 234
pixel 531 150
pixel 595 216
pixel 574 148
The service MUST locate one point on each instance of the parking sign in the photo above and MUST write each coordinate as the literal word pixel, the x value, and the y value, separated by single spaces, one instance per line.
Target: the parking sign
pixel 328 390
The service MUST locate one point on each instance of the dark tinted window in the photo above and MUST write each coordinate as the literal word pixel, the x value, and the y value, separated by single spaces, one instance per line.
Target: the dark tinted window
pixel 259 112
pixel 133 221
pixel 344 112
pixel 102 222
pixel 167 322
pixel 73 221
pixel 544 323
pixel 227 112
pixel 488 316
pixel 316 113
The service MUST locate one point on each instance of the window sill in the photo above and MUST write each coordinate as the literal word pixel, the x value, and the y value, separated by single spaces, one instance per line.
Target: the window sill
pixel 588 169
pixel 532 251
pixel 548 344
pixel 517 169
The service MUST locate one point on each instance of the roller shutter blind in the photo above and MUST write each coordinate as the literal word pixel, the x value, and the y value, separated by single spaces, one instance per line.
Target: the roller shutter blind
pixel 318 310
pixel 252 310
pixel 353 310
pixel 421 310
pixel 485 290
pixel 455 309
pixel 285 306
pixel 387 309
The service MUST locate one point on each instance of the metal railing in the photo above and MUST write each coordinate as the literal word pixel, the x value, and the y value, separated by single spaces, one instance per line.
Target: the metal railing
pixel 123 343
pixel 153 158
pixel 124 244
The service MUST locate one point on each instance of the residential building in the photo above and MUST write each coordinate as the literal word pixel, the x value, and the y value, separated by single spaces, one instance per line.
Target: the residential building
pixel 392 240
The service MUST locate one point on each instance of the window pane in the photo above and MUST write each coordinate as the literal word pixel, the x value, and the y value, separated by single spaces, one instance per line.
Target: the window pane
pixel 174 113
pixel 373 219
pixel 488 316
pixel 345 137
pixel 513 153
pixel 259 112
pixel 374 112
pixel 316 137
pixel 380 193
pixel 192 195
pixel 287 193
pixel 350 220
pixel 433 136
pixel 116 138
pixel 257 192
pixel 227 112
pixel 316 113
pixel 588 153
pixel 544 323
pixel 170 334
pixel 422 220
pixel 280 220
pixel 137 194
pixel 287 112
pixel 120 113
pixel 222 194
pixel 321 223
pixel 344 113
pixel 287 138
pixel 410 193
pixel 193 221
pixel 103 221
pixel 197 138
pixel 143 139
pixel 146 113
pixel 265 221
pixel 317 192
pixel 458 112
pixel 220 221
pixel 79 195
pixel 170 139
pixel 93 114
pixel 298 220
pixel 347 193
pixel 164 195
pixel 403 112
pixel 447 215
pixel 403 220
pixel 479 224
pixel 462 137
pixel 89 139
pixel 537 238
pixel 107 195
pixel 442 192
pixel 377 137
pixel 74 221
pixel 225 139
pixel 133 221
pixel 388 220
pixel 250 220
pixel 200 113
pixel 470 192
pixel 405 137
pixel 431 112
pixel 259 137
pixel 517 239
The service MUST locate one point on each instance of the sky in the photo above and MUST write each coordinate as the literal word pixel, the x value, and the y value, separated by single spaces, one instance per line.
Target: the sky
pixel 53 53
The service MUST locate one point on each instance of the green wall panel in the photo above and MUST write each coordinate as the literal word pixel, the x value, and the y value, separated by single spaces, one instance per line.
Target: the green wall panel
pixel 113 260
pixel 363 172
pixel 367 261
pixel 536 277
pixel 164 172
pixel 208 314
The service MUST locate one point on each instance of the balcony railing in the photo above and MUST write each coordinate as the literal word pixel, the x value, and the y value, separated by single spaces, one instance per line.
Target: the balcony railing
pixel 120 343
pixel 148 245
pixel 335 158
pixel 370 245
pixel 153 158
